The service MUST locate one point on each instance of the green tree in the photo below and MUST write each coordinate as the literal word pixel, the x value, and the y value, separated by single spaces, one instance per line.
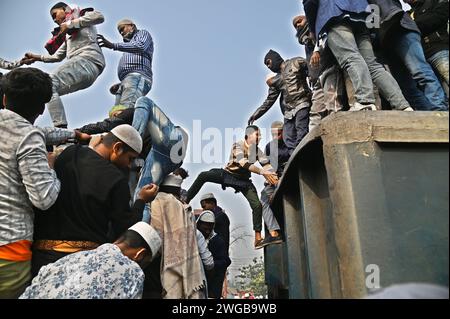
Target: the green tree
pixel 252 278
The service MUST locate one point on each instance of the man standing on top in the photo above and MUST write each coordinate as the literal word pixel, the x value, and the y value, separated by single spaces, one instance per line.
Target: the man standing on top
pixel 85 60
pixel 400 37
pixel 344 24
pixel 291 83
pixel 431 18
pixel 135 66
pixel 93 206
pixel 237 174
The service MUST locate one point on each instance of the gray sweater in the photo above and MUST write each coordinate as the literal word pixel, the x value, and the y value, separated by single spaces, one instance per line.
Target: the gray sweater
pixel 83 43
pixel 26 180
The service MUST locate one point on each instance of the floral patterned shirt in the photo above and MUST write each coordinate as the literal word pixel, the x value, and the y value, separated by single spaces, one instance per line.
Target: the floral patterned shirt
pixel 102 273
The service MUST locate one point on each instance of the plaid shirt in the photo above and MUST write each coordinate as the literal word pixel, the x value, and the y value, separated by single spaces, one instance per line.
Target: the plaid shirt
pixel 243 156
pixel 26 180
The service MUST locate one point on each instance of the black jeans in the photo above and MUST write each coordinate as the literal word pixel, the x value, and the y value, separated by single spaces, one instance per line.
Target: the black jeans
pixel 226 179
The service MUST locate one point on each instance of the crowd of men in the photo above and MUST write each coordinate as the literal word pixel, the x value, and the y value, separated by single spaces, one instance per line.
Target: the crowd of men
pixel 107 217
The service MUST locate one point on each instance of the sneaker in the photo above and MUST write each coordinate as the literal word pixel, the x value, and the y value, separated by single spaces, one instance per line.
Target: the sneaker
pixel 272 240
pixel 259 244
pixel 408 109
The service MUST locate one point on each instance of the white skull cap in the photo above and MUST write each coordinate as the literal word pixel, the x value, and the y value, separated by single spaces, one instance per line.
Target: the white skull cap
pixel 172 180
pixel 149 234
pixel 124 21
pixel 207 217
pixel 128 134
pixel 207 196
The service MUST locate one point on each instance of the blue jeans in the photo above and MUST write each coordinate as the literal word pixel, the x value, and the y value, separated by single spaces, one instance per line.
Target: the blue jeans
pixel 75 74
pixel 352 47
pixel 439 61
pixel 132 87
pixel 268 215
pixel 169 144
pixel 409 87
pixel 408 48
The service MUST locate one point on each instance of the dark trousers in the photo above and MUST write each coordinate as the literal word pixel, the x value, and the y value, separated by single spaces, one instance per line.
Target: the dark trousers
pixel 42 258
pixel 295 129
pixel 224 178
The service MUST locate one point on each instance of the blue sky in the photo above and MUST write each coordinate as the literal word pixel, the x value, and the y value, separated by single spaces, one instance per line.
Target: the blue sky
pixel 208 66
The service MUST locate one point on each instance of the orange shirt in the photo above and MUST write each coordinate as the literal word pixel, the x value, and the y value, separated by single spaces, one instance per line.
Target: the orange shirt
pixel 18 251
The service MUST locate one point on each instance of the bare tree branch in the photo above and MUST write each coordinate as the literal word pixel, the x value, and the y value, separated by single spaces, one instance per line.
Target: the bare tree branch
pixel 236 235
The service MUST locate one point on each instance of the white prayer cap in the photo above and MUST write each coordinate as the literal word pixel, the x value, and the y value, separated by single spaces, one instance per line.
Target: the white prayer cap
pixel 207 196
pixel 149 234
pixel 172 180
pixel 207 217
pixel 128 134
pixel 124 22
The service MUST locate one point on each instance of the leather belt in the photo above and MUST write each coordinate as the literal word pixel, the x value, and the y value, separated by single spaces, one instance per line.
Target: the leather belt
pixel 64 246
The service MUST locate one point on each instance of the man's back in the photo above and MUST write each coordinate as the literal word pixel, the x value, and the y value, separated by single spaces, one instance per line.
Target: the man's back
pixel 102 273
pixel 25 177
pixel 222 226
pixel 94 193
pixel 219 250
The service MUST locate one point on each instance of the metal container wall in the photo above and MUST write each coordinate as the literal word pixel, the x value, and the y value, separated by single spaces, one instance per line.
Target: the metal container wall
pixel 364 197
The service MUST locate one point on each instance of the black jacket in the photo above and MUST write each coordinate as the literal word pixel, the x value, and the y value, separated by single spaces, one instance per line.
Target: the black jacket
pixel 282 153
pixel 216 277
pixel 222 226
pixel 393 19
pixel 431 16
pixel 125 117
pixel 94 196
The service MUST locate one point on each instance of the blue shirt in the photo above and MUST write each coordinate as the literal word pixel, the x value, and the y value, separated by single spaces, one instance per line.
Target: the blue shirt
pixel 138 55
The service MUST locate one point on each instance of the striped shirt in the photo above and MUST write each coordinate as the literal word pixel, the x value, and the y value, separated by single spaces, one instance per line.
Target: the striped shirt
pixel 138 55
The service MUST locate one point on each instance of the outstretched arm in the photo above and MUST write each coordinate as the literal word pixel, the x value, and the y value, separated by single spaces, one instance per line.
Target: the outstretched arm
pixel 268 103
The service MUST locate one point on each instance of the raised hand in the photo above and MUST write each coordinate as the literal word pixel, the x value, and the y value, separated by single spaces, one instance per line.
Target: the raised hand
pixel 103 42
